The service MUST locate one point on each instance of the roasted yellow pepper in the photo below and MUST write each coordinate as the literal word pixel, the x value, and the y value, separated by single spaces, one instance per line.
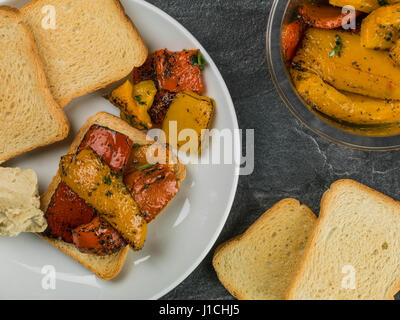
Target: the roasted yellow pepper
pixel 144 93
pixel 189 111
pixel 348 107
pixel 340 60
pixel 395 53
pixel 135 101
pixel 89 177
pixel 380 30
pixel 361 5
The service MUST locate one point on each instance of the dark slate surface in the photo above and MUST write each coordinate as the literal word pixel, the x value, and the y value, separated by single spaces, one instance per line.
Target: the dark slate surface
pixel 291 161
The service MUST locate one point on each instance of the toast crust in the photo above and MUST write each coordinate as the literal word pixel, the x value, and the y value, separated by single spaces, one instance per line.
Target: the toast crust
pixel 55 110
pixel 117 260
pixel 135 35
pixel 106 268
pixel 253 228
pixel 326 199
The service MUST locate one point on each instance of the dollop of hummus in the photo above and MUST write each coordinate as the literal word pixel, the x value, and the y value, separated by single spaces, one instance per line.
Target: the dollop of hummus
pixel 20 202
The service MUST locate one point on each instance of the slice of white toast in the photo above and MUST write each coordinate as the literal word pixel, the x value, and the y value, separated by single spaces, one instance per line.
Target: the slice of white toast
pixel 107 267
pixel 260 264
pixel 29 116
pixel 354 253
pixel 85 45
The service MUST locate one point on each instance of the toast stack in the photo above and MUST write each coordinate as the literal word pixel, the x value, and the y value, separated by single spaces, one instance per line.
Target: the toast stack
pixel 30 117
pixel 51 52
pixel 88 45
pixel 353 252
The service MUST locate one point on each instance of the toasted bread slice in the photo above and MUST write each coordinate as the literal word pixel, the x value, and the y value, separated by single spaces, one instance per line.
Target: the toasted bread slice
pixel 354 253
pixel 260 264
pixel 29 116
pixel 107 267
pixel 93 43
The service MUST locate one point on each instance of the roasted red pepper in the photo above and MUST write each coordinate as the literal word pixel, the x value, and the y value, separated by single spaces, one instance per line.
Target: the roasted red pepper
pixel 178 71
pixel 159 109
pixel 146 72
pixel 66 212
pixel 152 189
pixel 113 147
pixel 98 237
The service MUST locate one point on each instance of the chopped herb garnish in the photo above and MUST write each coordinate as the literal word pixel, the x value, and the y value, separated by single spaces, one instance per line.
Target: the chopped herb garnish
pixel 130 119
pixel 383 2
pixel 193 60
pixel 337 50
pixel 144 167
pixel 109 193
pixel 139 100
pixel 388 36
pixel 107 180
pixel 198 60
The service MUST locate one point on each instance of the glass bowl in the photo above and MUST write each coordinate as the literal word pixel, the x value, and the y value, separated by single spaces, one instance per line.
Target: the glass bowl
pixel 373 138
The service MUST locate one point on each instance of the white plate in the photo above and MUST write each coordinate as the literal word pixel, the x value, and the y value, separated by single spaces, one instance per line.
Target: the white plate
pixel 177 241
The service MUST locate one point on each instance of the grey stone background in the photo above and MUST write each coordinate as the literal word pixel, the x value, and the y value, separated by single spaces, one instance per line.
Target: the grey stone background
pixel 291 161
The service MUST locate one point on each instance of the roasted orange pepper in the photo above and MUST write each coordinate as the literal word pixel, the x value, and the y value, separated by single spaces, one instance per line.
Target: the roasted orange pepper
pixel 152 188
pixel 323 16
pixel 178 71
pixel 98 237
pixel 291 38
